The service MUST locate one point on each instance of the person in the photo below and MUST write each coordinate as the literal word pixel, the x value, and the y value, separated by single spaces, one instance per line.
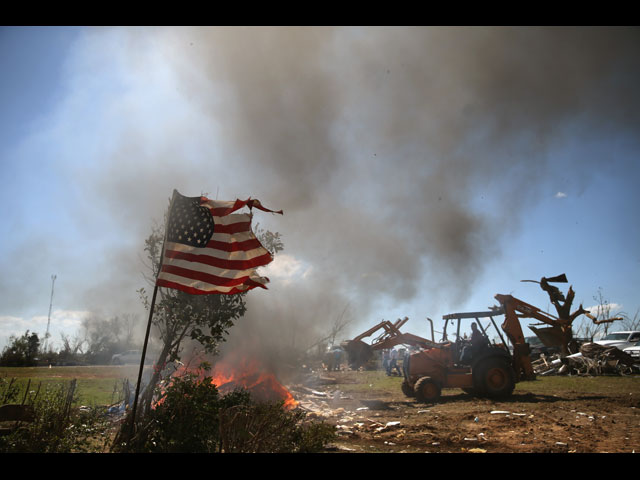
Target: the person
pixel 393 363
pixel 478 342
pixel 337 357
pixel 385 360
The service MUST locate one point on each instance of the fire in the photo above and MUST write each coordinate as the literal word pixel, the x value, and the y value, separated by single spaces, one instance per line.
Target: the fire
pixel 251 375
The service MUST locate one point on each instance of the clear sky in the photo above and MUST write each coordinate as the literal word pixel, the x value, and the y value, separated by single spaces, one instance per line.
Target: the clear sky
pixel 421 170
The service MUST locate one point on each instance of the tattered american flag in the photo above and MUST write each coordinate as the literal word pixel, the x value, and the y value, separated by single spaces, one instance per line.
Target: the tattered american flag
pixel 211 249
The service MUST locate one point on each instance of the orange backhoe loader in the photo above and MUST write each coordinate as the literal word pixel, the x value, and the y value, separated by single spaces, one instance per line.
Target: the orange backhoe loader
pixel 492 371
pixel 360 353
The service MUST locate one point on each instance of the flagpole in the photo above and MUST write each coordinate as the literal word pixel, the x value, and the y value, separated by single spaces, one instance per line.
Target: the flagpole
pixel 146 337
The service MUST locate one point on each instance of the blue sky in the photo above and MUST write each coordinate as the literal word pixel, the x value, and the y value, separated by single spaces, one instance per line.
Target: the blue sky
pixel 421 170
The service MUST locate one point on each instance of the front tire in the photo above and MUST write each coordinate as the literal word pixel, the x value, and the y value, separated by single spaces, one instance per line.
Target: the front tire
pixel 427 390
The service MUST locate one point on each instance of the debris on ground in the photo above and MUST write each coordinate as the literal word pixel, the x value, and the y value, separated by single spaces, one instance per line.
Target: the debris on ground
pixel 593 359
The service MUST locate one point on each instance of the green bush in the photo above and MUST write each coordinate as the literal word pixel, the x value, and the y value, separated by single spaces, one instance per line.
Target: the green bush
pixel 194 417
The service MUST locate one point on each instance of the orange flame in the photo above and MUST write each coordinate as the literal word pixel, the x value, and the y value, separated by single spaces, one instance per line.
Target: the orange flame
pixel 250 375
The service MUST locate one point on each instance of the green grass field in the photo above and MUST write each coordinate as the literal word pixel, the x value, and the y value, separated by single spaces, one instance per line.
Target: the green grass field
pixel 96 385
pixel 99 385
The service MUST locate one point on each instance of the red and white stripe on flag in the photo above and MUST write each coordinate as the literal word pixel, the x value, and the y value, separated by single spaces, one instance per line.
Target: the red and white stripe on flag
pixel 227 263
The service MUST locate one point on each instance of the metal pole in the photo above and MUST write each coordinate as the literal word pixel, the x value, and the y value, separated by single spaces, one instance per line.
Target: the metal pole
pixel 46 335
pixel 144 352
pixel 153 303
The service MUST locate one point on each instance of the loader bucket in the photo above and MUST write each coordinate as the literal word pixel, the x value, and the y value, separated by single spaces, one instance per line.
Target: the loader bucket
pixel 358 353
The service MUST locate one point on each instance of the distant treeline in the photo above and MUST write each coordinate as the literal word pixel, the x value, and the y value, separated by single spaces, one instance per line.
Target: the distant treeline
pixel 98 340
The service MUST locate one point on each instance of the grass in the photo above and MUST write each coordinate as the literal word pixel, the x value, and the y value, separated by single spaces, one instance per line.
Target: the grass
pixel 95 384
pixel 377 381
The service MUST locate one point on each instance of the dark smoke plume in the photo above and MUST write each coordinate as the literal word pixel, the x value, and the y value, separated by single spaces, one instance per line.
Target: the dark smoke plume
pixel 398 154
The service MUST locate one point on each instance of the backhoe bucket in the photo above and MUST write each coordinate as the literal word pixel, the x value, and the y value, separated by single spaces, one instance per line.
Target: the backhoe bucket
pixel 549 336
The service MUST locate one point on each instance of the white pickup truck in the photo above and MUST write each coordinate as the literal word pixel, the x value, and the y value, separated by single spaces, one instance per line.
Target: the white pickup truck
pixel 620 340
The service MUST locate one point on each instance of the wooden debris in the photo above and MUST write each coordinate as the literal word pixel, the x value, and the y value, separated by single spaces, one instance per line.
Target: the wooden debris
pixel 593 359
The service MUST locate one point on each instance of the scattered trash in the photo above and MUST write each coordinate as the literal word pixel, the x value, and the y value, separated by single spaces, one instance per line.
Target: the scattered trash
pixel 345 449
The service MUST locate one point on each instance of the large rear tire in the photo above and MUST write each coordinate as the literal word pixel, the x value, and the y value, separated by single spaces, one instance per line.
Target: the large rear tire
pixel 494 378
pixel 427 390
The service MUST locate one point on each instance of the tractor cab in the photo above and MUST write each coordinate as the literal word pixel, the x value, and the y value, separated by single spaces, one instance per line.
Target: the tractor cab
pixel 473 337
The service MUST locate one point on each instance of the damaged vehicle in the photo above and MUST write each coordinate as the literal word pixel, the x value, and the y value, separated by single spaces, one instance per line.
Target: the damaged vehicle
pixel 633 351
pixel 620 340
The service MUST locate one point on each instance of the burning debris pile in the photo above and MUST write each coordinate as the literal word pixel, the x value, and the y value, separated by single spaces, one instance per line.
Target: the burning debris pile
pixel 253 377
pixel 593 359
pixel 244 373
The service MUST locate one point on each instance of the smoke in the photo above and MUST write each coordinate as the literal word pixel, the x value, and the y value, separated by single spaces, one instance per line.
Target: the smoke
pixel 403 157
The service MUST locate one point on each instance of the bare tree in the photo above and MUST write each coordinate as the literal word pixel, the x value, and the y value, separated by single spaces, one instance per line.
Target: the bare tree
pixel 105 336
pixel 632 323
pixel 601 318
pixel 72 346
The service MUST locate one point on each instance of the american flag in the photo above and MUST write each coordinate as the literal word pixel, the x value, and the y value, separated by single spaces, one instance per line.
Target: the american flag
pixel 211 249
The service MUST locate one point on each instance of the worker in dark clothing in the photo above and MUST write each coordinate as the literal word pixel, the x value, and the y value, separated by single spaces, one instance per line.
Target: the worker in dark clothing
pixel 478 342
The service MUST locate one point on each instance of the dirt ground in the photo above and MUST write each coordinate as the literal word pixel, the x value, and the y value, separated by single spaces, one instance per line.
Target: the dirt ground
pixel 384 420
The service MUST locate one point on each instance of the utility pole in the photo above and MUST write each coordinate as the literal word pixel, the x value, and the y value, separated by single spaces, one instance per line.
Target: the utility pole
pixel 46 336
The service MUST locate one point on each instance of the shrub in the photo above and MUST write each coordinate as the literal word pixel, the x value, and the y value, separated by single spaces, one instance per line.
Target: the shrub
pixel 194 417
pixel 56 426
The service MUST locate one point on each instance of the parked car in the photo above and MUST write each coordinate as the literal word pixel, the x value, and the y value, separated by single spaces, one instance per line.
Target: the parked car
pixel 634 351
pixel 620 340
pixel 131 356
